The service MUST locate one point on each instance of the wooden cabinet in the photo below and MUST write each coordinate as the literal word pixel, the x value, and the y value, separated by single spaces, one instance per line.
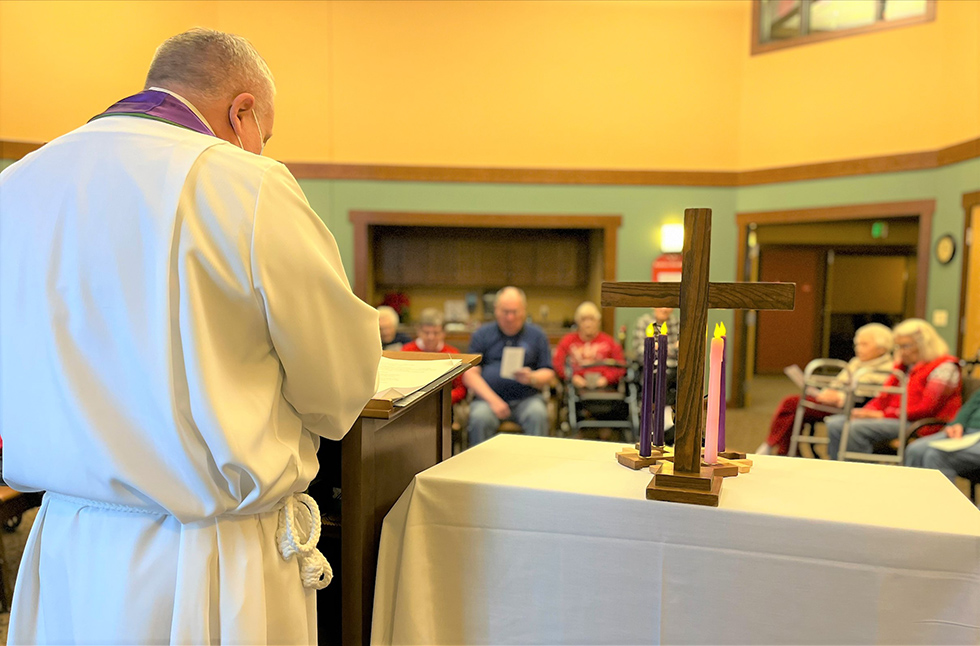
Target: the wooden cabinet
pixel 413 256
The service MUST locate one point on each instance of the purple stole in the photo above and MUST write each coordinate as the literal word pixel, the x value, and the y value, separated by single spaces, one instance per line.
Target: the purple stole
pixel 159 106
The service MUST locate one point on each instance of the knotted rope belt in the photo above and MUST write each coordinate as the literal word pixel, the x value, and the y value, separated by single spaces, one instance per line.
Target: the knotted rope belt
pixel 313 566
pixel 298 516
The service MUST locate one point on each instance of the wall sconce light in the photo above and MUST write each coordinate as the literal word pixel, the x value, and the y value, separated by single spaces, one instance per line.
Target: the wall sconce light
pixel 672 238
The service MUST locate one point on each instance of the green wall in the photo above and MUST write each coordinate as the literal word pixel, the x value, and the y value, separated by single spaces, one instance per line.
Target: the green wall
pixel 645 208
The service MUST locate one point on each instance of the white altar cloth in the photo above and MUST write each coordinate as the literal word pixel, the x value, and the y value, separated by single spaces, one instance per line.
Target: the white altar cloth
pixel 538 540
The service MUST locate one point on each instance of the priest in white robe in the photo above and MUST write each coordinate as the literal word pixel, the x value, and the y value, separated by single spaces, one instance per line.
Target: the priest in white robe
pixel 178 334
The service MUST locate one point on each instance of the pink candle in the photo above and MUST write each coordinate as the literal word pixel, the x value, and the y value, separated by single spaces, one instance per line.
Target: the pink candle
pixel 714 398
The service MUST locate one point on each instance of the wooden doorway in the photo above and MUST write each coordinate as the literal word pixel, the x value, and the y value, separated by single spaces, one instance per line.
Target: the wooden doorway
pixel 969 319
pixel 747 267
pixel 805 267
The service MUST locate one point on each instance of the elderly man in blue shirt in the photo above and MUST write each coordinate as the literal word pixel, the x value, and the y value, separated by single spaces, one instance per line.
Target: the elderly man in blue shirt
pixel 518 397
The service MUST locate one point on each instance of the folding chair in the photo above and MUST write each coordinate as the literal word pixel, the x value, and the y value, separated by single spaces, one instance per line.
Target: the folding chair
pixel 900 388
pixel 818 374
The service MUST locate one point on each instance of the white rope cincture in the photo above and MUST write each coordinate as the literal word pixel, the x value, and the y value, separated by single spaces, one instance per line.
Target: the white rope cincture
pixel 314 568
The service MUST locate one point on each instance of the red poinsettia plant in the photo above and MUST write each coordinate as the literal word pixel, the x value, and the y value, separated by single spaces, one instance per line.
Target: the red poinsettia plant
pixel 399 302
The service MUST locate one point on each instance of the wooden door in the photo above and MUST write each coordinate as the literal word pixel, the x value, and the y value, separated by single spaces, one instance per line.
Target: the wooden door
pixel 785 338
pixel 971 306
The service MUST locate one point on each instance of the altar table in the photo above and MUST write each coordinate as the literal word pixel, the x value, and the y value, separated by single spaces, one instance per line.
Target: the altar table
pixel 537 540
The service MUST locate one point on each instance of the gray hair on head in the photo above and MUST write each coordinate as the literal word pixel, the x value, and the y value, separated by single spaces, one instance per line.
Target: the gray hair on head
pixel 881 334
pixel 586 308
pixel 510 289
pixel 430 316
pixel 210 65
pixel 931 345
pixel 385 311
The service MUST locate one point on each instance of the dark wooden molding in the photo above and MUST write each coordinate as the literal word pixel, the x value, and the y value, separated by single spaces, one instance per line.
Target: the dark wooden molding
pixel 480 220
pixel 970 200
pixel 512 175
pixel 958 152
pixel 582 177
pixel 846 212
pixel 17 149
pixel 762 48
pixel 843 168
pixel 923 210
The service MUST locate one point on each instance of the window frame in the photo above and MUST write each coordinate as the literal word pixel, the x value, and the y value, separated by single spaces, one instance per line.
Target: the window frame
pixel 762 48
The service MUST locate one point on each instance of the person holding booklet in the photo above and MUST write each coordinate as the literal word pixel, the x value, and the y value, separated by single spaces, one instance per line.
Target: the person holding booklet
pixel 872 349
pixel 952 458
pixel 933 385
pixel 516 366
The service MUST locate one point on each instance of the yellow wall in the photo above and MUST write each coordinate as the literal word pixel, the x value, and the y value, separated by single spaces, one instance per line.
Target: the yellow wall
pixel 643 85
pixel 894 91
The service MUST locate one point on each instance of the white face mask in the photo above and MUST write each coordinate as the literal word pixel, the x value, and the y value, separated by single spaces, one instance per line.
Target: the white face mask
pixel 261 136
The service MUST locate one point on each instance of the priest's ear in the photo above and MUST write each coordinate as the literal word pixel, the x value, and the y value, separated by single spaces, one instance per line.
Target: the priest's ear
pixel 248 138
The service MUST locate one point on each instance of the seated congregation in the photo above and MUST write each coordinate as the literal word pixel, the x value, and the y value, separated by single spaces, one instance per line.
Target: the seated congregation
pixel 901 386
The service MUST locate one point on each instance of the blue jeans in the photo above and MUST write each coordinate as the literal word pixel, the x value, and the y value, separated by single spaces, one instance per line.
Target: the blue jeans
pixel 965 462
pixel 864 434
pixel 531 414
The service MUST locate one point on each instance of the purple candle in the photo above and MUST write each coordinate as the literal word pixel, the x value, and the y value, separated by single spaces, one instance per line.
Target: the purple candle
pixel 646 409
pixel 660 402
pixel 724 396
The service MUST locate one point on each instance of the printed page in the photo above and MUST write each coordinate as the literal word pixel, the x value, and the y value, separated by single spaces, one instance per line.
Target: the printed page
pixel 957 444
pixel 511 361
pixel 795 374
pixel 398 378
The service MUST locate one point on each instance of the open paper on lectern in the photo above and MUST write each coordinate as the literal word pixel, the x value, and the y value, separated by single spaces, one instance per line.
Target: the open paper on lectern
pixel 399 378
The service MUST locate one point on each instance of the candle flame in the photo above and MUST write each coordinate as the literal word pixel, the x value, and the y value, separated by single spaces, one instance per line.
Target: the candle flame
pixel 663 329
pixel 723 331
pixel 719 330
pixel 651 330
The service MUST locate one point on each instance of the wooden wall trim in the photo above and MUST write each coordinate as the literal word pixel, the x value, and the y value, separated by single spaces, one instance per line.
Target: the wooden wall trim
pixel 841 168
pixel 924 160
pixel 846 212
pixel 17 149
pixel 512 175
pixel 481 220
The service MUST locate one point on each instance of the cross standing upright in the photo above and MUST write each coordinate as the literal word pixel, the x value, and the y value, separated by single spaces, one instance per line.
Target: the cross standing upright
pixel 694 295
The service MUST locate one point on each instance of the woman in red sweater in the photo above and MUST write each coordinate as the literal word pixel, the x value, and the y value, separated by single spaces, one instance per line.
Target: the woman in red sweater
pixel 589 345
pixel 432 338
pixel 933 391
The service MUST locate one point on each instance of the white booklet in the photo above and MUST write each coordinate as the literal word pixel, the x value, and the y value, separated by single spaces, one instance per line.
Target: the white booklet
pixel 956 444
pixel 511 361
pixel 399 378
pixel 795 375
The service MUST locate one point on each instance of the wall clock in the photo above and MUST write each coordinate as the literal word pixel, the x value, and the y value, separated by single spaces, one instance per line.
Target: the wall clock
pixel 945 249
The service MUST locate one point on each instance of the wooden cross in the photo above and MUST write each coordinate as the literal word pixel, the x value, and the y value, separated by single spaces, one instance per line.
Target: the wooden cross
pixel 695 295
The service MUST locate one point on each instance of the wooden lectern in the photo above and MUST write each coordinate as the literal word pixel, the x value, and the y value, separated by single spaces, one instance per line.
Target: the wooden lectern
pixel 376 461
